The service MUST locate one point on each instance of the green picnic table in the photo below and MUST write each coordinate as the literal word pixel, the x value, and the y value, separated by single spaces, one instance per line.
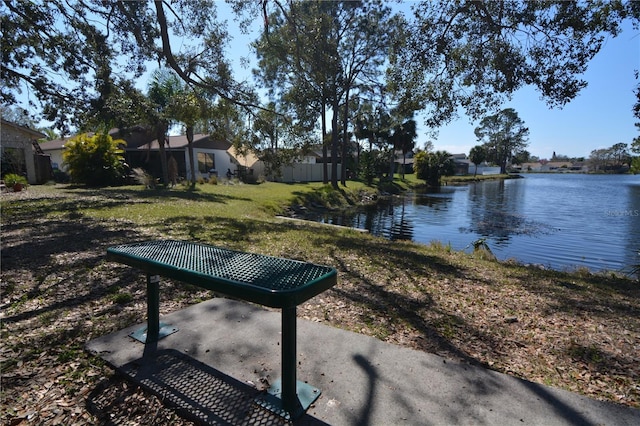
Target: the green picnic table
pixel 265 280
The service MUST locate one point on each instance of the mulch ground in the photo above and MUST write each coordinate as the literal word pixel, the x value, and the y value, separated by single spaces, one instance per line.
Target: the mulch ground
pixel 578 332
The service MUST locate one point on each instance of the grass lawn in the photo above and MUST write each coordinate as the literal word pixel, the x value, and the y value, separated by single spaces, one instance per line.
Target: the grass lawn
pixel 573 330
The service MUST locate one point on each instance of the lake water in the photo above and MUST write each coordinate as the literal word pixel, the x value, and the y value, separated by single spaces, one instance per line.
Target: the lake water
pixel 560 221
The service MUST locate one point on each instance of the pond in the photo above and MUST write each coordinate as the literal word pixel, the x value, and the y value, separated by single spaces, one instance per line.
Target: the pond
pixel 559 221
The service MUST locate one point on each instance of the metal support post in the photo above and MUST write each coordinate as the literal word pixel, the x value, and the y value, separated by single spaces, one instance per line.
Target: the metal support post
pixel 290 401
pixel 153 308
pixel 155 330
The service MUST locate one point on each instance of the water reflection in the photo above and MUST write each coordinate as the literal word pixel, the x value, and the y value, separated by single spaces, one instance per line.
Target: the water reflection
pixel 558 221
pixel 495 209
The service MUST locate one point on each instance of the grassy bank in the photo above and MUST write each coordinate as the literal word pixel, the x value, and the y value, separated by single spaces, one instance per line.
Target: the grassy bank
pixel 577 331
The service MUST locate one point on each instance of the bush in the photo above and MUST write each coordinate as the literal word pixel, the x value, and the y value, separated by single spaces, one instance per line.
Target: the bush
pixel 95 160
pixel 141 177
pixel 60 177
pixel 10 179
pixel 432 166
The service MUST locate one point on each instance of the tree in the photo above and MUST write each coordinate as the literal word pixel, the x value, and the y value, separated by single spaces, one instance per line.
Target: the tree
pixel 71 55
pixel 432 166
pixel 95 160
pixel 163 88
pixel 329 49
pixel 620 153
pixel 404 139
pixel 477 155
pixel 503 136
pixel 475 54
pixel 599 159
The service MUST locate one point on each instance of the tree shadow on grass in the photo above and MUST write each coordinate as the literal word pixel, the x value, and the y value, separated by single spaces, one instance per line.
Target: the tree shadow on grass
pixel 597 295
pixel 118 193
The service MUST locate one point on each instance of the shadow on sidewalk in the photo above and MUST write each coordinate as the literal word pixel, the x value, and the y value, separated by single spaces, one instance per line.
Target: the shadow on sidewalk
pixel 197 391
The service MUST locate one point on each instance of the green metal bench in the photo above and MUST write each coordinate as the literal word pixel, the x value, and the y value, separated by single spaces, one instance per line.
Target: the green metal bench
pixel 265 280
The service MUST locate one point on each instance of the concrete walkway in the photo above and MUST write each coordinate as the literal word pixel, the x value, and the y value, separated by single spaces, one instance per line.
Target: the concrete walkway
pixel 226 352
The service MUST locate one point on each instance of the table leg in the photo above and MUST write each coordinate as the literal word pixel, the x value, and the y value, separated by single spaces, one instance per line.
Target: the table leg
pixel 153 308
pixel 290 400
pixel 155 330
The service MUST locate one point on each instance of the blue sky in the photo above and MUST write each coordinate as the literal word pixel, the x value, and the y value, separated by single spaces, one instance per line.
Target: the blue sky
pixel 598 117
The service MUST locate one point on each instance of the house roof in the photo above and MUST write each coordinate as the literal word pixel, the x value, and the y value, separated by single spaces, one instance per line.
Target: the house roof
pixel 181 142
pixel 25 129
pixel 248 160
pixel 54 145
pixel 58 144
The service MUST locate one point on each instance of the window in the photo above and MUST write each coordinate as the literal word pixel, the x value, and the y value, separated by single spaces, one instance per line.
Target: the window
pixel 206 162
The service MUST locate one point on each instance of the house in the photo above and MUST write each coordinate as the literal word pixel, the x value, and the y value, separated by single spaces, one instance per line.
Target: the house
pixel 21 154
pixel 404 161
pixel 556 166
pixel 142 150
pixel 461 164
pixel 531 167
pixel 210 157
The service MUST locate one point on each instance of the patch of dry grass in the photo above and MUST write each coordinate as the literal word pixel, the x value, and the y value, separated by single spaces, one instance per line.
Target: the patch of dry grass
pixel 577 331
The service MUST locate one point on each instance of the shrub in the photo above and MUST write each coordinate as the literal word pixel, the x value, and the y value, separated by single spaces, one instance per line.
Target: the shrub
pixel 140 176
pixel 95 160
pixel 10 179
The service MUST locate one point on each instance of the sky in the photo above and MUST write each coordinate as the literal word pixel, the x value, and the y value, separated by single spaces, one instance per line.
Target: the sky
pixel 600 116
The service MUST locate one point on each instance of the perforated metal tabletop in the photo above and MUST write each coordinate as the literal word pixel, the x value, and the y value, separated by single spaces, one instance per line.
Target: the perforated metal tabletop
pixel 267 280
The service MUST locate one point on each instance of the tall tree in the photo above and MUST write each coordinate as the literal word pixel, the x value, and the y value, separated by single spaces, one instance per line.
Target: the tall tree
pixel 71 54
pixel 503 136
pixel 163 89
pixel 403 138
pixel 475 54
pixel 330 48
pixel 477 155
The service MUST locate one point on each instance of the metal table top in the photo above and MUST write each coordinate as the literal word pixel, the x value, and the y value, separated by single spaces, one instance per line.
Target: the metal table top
pixel 267 280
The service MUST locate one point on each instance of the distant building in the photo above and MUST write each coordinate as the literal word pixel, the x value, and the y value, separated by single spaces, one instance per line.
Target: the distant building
pixel 21 154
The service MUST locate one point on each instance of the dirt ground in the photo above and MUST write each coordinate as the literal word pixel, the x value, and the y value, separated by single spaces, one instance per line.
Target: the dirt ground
pixel 578 332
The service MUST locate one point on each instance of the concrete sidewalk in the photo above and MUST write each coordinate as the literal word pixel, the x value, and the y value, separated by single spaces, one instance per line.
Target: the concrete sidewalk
pixel 225 352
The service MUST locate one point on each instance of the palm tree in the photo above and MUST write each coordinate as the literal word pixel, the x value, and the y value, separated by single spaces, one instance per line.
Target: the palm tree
pixel 404 139
pixel 187 108
pixel 163 87
pixel 477 155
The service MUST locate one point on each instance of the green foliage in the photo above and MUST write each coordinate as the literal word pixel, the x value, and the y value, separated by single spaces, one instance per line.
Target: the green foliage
pixel 369 164
pixel 477 155
pixel 635 165
pixel 503 135
pixel 95 160
pixel 612 159
pixel 10 179
pixel 476 54
pixel 432 166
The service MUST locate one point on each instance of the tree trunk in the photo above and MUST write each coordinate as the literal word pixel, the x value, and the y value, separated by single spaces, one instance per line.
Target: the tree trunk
pixel 161 133
pixel 192 163
pixel 323 118
pixel 334 144
pixel 345 135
